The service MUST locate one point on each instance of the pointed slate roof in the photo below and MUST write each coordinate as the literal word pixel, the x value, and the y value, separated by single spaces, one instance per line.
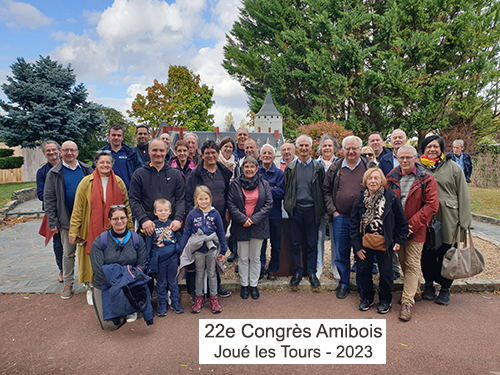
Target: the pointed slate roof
pixel 268 109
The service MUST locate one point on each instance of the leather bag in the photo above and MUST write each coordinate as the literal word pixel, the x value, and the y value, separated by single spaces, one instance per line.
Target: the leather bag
pixel 434 236
pixel 462 262
pixel 372 241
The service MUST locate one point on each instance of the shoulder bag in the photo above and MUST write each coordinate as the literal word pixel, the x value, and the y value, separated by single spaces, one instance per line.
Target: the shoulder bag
pixel 462 262
pixel 434 235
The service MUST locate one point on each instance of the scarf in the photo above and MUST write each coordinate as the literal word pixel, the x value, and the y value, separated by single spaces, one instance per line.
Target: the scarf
pixel 249 184
pixel 327 163
pixel 118 235
pixel 98 208
pixel 431 164
pixel 374 204
pixel 229 163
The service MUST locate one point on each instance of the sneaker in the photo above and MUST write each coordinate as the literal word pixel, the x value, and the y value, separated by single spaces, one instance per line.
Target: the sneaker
pixel 383 307
pixel 131 318
pixel 429 292
pixel 198 304
pixel 67 292
pixel 214 304
pixel 89 297
pixel 162 310
pixel 176 306
pixel 444 297
pixel 364 305
pixel 223 292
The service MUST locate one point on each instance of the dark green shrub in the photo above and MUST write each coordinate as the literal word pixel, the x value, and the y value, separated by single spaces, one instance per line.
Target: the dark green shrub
pixel 4 152
pixel 11 162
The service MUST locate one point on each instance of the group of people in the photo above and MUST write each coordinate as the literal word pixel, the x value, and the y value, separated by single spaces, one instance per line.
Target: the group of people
pixel 190 205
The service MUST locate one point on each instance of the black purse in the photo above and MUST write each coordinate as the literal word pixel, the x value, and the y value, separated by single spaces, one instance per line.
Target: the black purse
pixel 434 234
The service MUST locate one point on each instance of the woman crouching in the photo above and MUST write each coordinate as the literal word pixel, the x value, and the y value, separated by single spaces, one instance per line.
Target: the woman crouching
pixel 378 227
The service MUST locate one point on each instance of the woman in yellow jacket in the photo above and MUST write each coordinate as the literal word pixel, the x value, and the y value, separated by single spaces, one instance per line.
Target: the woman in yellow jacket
pixel 95 195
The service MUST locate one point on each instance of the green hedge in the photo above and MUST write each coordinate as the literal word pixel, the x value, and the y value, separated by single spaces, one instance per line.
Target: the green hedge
pixel 4 152
pixel 494 149
pixel 11 162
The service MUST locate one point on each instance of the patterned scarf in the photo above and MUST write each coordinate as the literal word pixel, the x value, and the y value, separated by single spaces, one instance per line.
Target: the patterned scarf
pixel 431 164
pixel 374 205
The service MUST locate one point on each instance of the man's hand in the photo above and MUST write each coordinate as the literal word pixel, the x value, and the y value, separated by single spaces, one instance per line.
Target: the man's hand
pixel 175 226
pixel 72 239
pixel 148 227
pixel 335 214
pixel 55 230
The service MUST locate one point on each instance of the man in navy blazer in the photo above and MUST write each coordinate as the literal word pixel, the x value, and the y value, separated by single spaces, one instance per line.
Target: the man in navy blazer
pixel 390 161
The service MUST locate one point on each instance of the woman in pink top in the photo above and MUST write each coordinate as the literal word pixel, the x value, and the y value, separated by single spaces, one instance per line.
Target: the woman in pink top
pixel 249 204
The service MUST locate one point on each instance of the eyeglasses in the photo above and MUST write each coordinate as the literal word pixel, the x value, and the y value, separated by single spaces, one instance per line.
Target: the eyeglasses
pixel 351 149
pixel 406 157
pixel 116 219
pixel 68 150
pixel 368 155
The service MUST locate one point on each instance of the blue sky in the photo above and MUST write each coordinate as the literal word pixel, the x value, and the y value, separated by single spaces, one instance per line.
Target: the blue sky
pixel 117 48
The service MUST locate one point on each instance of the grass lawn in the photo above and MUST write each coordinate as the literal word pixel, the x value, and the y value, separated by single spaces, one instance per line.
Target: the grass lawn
pixel 6 190
pixel 485 201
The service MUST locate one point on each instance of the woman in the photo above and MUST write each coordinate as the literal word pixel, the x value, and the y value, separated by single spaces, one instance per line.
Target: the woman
pixel 376 212
pixel 95 194
pixel 369 153
pixel 182 161
pixel 327 148
pixel 123 248
pixel 454 210
pixel 249 204
pixel 226 156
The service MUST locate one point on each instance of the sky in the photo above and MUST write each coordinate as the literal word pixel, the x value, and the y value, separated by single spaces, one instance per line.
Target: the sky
pixel 117 48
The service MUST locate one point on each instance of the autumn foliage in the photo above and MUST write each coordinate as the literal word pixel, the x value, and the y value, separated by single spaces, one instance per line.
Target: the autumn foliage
pixel 316 130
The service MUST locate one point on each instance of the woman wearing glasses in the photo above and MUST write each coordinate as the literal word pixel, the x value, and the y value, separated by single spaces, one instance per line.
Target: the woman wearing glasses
pixel 94 197
pixel 369 153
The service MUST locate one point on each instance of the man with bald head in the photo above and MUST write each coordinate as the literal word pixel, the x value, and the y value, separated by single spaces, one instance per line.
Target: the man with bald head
pixel 242 136
pixel 165 137
pixel 58 199
pixel 390 161
pixel 287 155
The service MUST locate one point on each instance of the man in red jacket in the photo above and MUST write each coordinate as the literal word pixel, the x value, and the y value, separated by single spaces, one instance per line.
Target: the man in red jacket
pixel 418 192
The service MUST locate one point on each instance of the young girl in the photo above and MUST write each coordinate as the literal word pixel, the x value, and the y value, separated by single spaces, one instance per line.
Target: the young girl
pixel 204 243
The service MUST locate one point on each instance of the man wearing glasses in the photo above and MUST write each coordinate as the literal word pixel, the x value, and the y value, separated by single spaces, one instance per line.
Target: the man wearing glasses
pixel 58 199
pixel 342 184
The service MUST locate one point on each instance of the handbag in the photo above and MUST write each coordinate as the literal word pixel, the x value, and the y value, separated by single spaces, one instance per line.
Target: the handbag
pixel 434 235
pixel 462 262
pixel 373 241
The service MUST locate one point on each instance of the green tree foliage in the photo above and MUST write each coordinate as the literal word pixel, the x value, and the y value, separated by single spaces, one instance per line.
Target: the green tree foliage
pixel 316 130
pixel 419 65
pixel 228 121
pixel 44 103
pixel 182 101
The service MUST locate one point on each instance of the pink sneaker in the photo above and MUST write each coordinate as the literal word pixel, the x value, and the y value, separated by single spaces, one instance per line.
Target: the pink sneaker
pixel 198 304
pixel 214 304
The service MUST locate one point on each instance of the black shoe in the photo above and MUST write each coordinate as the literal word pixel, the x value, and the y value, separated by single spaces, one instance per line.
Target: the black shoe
pixel 396 275
pixel 383 307
pixel 444 297
pixel 236 269
pixel 429 292
pixel 231 258
pixel 295 280
pixel 342 292
pixel 244 293
pixel 254 292
pixel 272 276
pixel 313 279
pixel 223 292
pixel 364 305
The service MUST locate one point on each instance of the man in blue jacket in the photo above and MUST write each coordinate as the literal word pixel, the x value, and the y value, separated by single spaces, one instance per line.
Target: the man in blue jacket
pixel 461 158
pixel 390 161
pixel 126 159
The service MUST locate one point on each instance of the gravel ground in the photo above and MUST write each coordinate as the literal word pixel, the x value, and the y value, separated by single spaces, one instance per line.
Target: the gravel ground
pixel 490 252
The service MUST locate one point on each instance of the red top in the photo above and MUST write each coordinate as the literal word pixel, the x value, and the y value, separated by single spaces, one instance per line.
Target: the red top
pixel 251 198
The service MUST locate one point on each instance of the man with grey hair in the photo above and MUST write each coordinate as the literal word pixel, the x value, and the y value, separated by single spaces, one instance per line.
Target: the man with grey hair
pixel 193 142
pixel 165 137
pixel 287 155
pixel 274 176
pixel 461 158
pixel 418 192
pixel 52 151
pixel 305 207
pixel 343 182
pixel 390 161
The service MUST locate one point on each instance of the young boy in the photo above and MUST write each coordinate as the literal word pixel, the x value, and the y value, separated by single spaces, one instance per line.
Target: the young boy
pixel 163 256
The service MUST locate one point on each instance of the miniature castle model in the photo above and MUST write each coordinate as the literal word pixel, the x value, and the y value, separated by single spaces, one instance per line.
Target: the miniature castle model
pixel 268 120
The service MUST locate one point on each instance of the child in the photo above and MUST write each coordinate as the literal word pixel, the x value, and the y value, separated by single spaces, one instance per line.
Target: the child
pixel 203 236
pixel 163 256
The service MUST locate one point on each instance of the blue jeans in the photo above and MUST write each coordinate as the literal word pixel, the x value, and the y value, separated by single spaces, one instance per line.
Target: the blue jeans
pixel 342 247
pixel 303 225
pixel 58 250
pixel 166 279
pixel 275 232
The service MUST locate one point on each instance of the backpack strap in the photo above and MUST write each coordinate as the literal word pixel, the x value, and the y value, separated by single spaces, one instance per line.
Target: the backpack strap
pixel 104 240
pixel 135 239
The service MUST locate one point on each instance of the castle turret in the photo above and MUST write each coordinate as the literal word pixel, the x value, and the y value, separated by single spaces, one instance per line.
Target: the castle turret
pixel 268 119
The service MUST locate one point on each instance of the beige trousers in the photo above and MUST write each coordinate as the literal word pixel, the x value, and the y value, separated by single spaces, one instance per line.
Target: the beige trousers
pixel 409 257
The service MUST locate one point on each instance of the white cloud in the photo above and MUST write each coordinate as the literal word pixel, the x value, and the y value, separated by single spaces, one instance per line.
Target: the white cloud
pixel 71 20
pixel 20 15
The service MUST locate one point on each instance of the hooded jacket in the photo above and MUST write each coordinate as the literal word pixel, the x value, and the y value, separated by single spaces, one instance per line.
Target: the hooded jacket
pixel 188 167
pixel 148 184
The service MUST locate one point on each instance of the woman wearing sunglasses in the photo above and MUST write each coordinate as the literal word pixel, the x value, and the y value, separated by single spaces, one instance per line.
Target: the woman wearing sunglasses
pixel 94 197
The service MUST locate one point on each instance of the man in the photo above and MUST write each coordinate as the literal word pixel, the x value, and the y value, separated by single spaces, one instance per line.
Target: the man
pixel 52 151
pixel 304 205
pixel 58 199
pixel 390 161
pixel 142 138
pixel 275 178
pixel 287 155
pixel 343 182
pixel 193 142
pixel 126 158
pixel 214 175
pixel 156 180
pixel 251 149
pixel 242 136
pixel 418 192
pixel 165 137
pixel 461 158
pixel 376 142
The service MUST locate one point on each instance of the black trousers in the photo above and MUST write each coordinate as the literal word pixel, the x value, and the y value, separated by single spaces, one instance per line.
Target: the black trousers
pixel 364 276
pixel 432 262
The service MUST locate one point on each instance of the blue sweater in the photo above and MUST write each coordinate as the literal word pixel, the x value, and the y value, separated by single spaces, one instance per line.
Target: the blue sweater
pixel 162 245
pixel 274 177
pixel 208 224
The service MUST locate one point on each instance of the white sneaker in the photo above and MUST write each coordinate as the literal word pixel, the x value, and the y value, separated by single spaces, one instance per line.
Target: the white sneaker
pixel 131 318
pixel 89 297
